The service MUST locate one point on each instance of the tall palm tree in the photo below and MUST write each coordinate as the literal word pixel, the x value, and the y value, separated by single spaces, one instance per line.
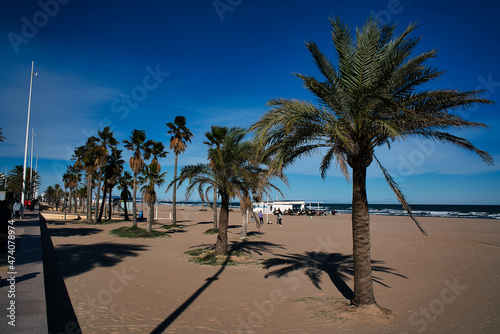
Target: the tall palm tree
pixel 214 140
pixel 77 168
pixel 151 177
pixel 104 142
pixel 369 98
pixel 69 179
pixel 124 181
pixel 57 188
pixel 87 155
pixel 230 171
pixel 178 142
pixel 136 144
pixel 111 172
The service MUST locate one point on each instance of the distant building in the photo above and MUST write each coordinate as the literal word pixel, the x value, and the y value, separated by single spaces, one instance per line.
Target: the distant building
pixel 3 181
pixel 270 207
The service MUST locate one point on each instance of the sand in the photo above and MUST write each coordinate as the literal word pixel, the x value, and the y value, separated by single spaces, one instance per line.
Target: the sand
pixel 447 282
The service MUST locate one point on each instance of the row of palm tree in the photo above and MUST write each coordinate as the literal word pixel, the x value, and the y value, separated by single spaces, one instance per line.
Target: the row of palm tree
pixel 101 161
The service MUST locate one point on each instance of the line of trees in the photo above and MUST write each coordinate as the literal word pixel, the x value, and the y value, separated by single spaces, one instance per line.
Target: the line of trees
pixel 100 164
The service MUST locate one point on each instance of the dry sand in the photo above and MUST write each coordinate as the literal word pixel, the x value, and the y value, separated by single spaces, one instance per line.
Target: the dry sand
pixel 448 282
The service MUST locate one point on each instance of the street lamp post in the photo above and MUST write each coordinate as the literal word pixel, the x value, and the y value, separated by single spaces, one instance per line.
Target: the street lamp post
pixel 27 133
pixel 31 163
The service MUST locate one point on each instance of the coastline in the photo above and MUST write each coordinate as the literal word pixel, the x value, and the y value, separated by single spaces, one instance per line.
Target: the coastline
pixel 415 273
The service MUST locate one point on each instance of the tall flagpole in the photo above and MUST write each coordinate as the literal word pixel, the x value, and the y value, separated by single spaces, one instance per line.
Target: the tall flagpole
pixel 27 133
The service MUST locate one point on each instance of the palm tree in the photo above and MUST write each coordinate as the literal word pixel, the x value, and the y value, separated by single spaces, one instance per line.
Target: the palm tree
pixel 50 195
pixel 77 168
pixel 150 177
pixel 15 180
pixel 87 155
pixel 112 170
pixel 124 181
pixel 104 142
pixel 69 179
pixel 1 136
pixel 155 149
pixel 368 99
pixel 178 142
pixel 230 171
pixel 214 140
pixel 137 145
pixel 57 188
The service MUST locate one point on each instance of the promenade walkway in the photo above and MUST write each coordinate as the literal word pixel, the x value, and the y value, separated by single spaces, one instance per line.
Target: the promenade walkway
pixel 33 297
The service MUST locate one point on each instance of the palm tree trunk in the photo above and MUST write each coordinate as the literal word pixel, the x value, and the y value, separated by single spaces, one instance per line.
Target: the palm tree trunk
pixel 221 245
pixel 125 209
pixel 70 198
pixel 215 207
pixel 110 202
pixel 363 284
pixel 134 204
pixel 151 217
pixel 99 180
pixel 104 192
pixel 174 194
pixel 244 224
pixel 76 191
pixel 89 198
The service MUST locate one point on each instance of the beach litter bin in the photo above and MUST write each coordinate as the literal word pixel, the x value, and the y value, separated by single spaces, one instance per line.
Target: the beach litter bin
pixel 140 214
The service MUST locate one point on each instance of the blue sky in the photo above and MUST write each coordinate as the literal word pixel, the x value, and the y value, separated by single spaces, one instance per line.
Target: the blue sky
pixel 138 64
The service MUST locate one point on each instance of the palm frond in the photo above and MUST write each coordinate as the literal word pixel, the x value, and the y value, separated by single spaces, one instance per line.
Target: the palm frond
pixel 399 194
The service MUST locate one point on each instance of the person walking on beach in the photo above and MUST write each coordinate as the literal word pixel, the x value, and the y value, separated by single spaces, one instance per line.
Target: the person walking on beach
pixel 261 218
pixel 279 218
pixel 17 209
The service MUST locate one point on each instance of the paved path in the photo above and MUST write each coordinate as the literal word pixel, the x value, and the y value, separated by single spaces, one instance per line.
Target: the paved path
pixel 26 296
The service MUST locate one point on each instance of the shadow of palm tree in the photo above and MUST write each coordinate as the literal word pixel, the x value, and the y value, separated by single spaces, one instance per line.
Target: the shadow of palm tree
pixel 174 315
pixel 248 247
pixel 69 232
pixel 337 266
pixel 245 246
pixel 255 233
pixel 203 223
pixel 77 259
pixel 254 247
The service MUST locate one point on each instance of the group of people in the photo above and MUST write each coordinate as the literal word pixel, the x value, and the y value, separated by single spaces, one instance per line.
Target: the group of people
pixel 18 208
pixel 279 218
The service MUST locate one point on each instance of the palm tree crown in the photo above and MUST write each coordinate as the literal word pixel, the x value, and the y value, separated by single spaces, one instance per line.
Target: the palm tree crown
pixel 181 135
pixel 369 98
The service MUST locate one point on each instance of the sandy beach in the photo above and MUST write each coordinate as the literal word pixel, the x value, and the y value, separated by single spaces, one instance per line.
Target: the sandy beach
pixel 447 282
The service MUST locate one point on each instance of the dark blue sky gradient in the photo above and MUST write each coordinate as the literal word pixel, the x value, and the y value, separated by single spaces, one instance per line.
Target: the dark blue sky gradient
pixel 223 67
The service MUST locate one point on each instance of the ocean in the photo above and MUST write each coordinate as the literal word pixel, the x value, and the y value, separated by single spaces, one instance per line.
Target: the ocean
pixel 426 210
pixel 419 210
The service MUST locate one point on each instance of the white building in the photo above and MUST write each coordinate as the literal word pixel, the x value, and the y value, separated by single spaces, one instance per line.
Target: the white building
pixel 270 207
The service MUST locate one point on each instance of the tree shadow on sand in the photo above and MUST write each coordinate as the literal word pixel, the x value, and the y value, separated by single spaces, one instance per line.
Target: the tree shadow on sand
pixel 77 259
pixel 69 232
pixel 249 247
pixel 337 266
